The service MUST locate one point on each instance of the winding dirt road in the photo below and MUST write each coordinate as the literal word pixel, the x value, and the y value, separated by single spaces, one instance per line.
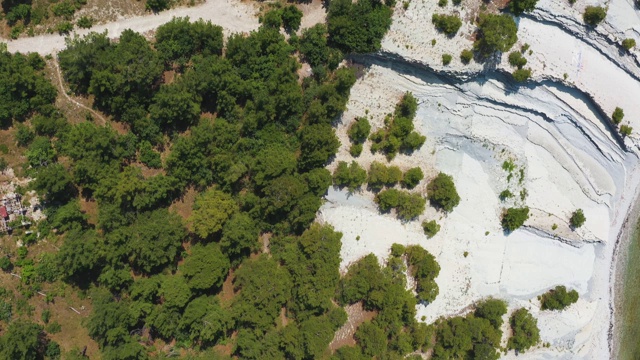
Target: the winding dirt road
pixel 232 15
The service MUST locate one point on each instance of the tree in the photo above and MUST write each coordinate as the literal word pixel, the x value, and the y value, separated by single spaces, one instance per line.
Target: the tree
pixel 179 39
pixel 513 218
pixel 157 5
pixel 81 256
pixel 239 237
pixel 350 175
pixel 593 15
pixel 23 340
pixel 517 7
pixel 151 242
pixel 495 33
pixel 211 210
pixel 516 59
pixel 442 192
pixel 359 131
pixel 204 321
pixel 175 106
pixel 358 27
pixel 525 330
pixel 617 116
pixel 577 218
pixel 54 183
pixel 625 130
pixel 371 339
pixel 448 24
pixel 521 75
pixel 492 310
pixel 628 44
pixel 175 292
pixel 412 177
pixel 291 18
pixel 206 267
pixel 424 268
pixel 317 143
pixel 430 228
pixel 558 298
pixel 466 56
pixel 313 45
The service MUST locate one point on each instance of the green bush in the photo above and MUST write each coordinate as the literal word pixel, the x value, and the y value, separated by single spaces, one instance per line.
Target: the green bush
pixel 443 3
pixel 448 24
pixel 157 5
pixel 517 7
pixel 577 218
pixel 617 116
pixel 412 177
pixel 65 9
pixel 521 75
pixel 430 228
pixel 64 28
pixel 380 176
pixel 525 330
pixel 446 59
pixel 357 27
pixel 466 56
pixel 558 298
pixel 408 206
pixel 355 150
pixel 359 130
pixel 513 218
pixel 442 192
pixel 625 130
pixel 425 269
pixel 628 44
pixel 516 59
pixel 291 18
pixel 350 175
pixel 496 33
pixel 506 194
pixel 593 15
pixel 398 135
pixel 85 22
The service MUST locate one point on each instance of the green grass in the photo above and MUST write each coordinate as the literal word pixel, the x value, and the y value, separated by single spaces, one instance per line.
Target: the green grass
pixel 629 316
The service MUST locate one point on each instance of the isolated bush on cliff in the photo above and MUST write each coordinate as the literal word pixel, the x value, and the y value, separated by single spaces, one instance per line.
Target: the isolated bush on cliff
pixel 525 330
pixel 448 24
pixel 442 192
pixel 518 7
pixel 577 218
pixel 495 33
pixel 593 15
pixel 513 218
pixel 628 44
pixel 617 116
pixel 558 298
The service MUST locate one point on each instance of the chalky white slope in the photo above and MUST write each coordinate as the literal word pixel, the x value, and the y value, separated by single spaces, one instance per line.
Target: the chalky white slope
pixel 475 118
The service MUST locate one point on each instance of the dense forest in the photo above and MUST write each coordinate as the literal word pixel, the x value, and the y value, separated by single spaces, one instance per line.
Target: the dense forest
pixel 228 127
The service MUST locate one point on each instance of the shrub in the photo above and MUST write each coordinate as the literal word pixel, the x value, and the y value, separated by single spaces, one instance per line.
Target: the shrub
pixel 466 56
pixel 157 5
pixel 492 310
pixel 424 268
pixel 430 228
pixel 628 44
pixel 513 218
pixel 577 219
pixel 443 3
pixel 355 150
pixel 5 263
pixel 625 130
pixel 593 15
pixel 617 116
pixel 505 194
pixel 85 22
pixel 412 177
pixel 448 24
pixel 558 298
pixel 442 192
pixel 64 28
pixel 446 59
pixel 516 59
pixel 518 7
pixel 496 33
pixel 408 206
pixel 65 9
pixel 359 130
pixel 352 176
pixel 381 175
pixel 525 330
pixel 291 18
pixel 521 75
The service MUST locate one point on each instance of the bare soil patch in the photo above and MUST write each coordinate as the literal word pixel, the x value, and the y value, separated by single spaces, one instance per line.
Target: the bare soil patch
pixel 356 316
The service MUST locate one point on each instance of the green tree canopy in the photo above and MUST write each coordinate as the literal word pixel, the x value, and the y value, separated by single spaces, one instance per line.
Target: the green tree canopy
pixel 513 218
pixel 558 298
pixel 495 33
pixel 179 39
pixel 525 330
pixel 205 267
pixel 210 211
pixel 442 192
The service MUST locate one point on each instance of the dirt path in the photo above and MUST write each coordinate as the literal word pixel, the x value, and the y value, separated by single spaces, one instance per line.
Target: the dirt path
pixel 73 101
pixel 234 16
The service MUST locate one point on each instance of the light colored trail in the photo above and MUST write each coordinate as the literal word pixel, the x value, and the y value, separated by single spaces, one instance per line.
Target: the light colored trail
pixel 232 15
pixel 64 92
